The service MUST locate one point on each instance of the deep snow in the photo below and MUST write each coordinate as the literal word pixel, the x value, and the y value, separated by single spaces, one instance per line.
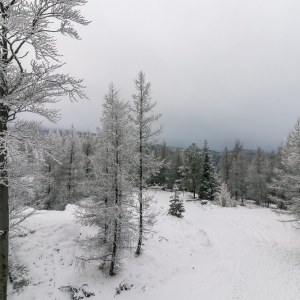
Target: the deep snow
pixel 211 253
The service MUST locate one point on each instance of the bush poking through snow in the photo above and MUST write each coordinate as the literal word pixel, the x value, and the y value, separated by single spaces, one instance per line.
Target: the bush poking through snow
pixel 18 276
pixel 176 204
pixel 123 286
pixel 77 293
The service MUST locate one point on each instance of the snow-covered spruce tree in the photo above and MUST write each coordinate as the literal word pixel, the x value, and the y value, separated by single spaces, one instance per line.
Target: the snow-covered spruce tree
pixel 111 211
pixel 284 188
pixel 209 184
pixel 258 176
pixel 176 204
pixel 191 171
pixel 146 136
pixel 28 26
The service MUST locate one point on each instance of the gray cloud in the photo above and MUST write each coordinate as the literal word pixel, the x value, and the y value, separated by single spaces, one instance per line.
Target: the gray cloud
pixel 219 69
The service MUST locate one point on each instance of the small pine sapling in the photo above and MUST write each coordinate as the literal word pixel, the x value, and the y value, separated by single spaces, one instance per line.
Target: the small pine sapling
pixel 176 204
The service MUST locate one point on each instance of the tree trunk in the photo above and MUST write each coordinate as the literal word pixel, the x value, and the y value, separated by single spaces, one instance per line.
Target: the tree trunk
pixel 70 181
pixel 4 229
pixel 139 245
pixel 4 210
pixel 117 204
pixel 114 250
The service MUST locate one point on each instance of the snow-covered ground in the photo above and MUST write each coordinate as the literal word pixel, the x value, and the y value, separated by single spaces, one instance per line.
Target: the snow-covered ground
pixel 211 253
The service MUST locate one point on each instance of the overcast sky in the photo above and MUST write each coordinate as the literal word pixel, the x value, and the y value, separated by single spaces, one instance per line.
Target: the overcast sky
pixel 220 69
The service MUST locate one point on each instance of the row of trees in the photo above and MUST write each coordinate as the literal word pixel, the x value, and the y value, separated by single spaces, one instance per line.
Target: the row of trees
pixel 247 176
pixel 202 171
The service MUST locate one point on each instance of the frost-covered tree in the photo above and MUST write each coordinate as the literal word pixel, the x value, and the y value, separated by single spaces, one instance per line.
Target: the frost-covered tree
pixel 284 188
pixel 72 169
pixel 224 196
pixel 191 171
pixel 176 204
pixel 237 178
pixel 28 27
pixel 88 148
pixel 238 172
pixel 237 149
pixel 25 180
pixel 111 211
pixel 88 144
pixel 146 136
pixel 225 165
pixel 51 169
pixel 164 156
pixel 175 164
pixel 258 176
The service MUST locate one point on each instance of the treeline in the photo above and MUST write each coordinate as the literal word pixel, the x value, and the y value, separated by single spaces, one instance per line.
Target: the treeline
pixel 68 171
pixel 246 174
pixel 71 160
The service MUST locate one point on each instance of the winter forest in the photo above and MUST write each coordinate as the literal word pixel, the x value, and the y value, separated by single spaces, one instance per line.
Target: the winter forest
pixel 116 211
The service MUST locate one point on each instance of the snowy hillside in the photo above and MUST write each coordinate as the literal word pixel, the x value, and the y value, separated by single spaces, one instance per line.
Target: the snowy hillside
pixel 211 253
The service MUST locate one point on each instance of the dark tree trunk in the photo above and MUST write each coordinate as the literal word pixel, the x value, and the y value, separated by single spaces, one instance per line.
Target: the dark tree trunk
pixel 114 250
pixel 4 208
pixel 117 203
pixel 140 240
pixel 70 179
pixel 4 204
pixel 106 203
pixel 139 245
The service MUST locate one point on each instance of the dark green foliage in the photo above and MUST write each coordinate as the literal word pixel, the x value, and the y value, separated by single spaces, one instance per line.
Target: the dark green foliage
pixel 209 183
pixel 176 204
pixel 191 172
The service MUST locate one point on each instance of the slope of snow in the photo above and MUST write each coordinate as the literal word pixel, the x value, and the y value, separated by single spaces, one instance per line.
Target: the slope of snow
pixel 211 253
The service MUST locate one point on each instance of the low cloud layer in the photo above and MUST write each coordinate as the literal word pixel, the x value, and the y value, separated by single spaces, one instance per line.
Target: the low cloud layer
pixel 220 70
